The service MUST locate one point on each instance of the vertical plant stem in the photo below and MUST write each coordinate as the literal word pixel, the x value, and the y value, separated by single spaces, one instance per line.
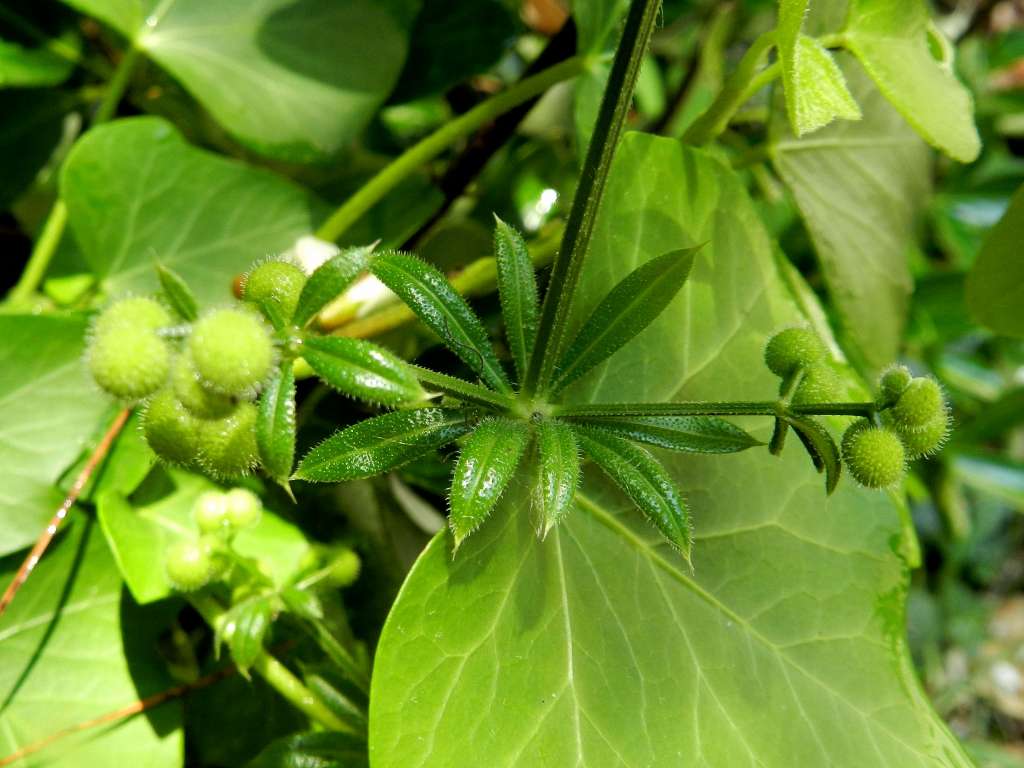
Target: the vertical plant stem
pixel 744 83
pixel 374 190
pixel 565 272
pixel 280 678
pixel 51 530
pixel 56 221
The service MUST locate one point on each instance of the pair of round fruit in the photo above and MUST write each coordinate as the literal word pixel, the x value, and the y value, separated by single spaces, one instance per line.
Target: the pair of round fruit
pixel 191 564
pixel 799 350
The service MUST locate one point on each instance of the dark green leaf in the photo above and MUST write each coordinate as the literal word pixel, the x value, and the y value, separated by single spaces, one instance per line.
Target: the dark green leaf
pixel 995 284
pixel 323 749
pixel 429 294
pixel 329 280
pixel 486 464
pixel 31 129
pixel 644 481
pixel 177 292
pixel 691 434
pixel 243 627
pixel 558 474
pixel 628 308
pixel 517 288
pixel 820 446
pixel 382 443
pixel 275 424
pixel 362 369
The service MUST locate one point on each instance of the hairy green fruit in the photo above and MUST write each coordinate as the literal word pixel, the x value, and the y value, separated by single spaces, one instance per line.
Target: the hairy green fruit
pixel 925 440
pixel 171 430
pixel 210 512
pixel 188 388
pixel 874 455
pixel 919 405
pixel 190 565
pixel 276 285
pixel 137 311
pixel 227 446
pixel 820 384
pixel 233 351
pixel 127 357
pixel 243 508
pixel 792 349
pixel 892 383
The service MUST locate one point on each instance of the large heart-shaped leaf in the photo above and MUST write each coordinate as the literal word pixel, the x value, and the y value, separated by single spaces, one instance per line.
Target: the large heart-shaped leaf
pixel 296 79
pixel 138 194
pixel 73 647
pixel 860 187
pixel 783 646
pixel 48 407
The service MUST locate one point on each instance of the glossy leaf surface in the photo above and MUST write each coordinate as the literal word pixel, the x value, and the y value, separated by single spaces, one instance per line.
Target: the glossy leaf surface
pixel 361 369
pixel 275 423
pixel 517 287
pixel 329 280
pixel 557 474
pixel 690 434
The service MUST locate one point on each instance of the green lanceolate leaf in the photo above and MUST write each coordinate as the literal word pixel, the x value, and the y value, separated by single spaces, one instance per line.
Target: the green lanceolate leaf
pixel 486 464
pixel 517 287
pixel 820 446
pixel 892 41
pixel 362 369
pixel 178 294
pixel 814 86
pixel 644 481
pixel 558 474
pixel 690 434
pixel 627 309
pixel 429 294
pixel 995 284
pixel 275 424
pixel 329 280
pixel 243 627
pixel 384 442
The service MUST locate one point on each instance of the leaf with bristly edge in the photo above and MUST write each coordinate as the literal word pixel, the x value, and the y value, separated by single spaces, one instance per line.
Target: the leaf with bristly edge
pixel 628 308
pixel 428 293
pixel 486 464
pixel 243 628
pixel 558 474
pixel 177 293
pixel 382 443
pixel 275 425
pixel 362 369
pixel 517 289
pixel 329 280
pixel 639 475
pixel 820 447
pixel 689 434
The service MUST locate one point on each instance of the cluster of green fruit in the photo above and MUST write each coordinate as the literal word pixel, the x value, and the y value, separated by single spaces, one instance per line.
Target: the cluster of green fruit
pixel 197 381
pixel 910 417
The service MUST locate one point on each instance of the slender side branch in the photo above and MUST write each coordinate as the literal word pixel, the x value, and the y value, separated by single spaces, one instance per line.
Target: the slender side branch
pixel 565 272
pixel 418 154
pixel 47 535
pixel 748 408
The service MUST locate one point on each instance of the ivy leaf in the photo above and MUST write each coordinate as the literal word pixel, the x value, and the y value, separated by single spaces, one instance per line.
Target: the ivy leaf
pixel 644 481
pixel 863 221
pixel 820 447
pixel 48 409
pixel 362 369
pixel 137 193
pixel 627 309
pixel 485 466
pixel 786 588
pixel 329 280
pixel 428 293
pixel 244 627
pixel 558 474
pixel 893 42
pixel 382 443
pixel 177 292
pixel 690 434
pixel 322 749
pixel 73 607
pixel 275 424
pixel 297 82
pixel 517 288
pixel 995 284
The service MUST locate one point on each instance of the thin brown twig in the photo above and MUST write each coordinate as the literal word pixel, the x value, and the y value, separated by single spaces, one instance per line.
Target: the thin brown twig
pixel 50 531
pixel 136 707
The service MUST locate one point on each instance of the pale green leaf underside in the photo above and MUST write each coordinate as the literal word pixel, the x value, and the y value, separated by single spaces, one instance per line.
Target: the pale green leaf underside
pixel 891 40
pixel 598 647
pixel 73 613
pixel 860 187
pixel 137 194
pixel 296 80
pixel 995 285
pixel 48 408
